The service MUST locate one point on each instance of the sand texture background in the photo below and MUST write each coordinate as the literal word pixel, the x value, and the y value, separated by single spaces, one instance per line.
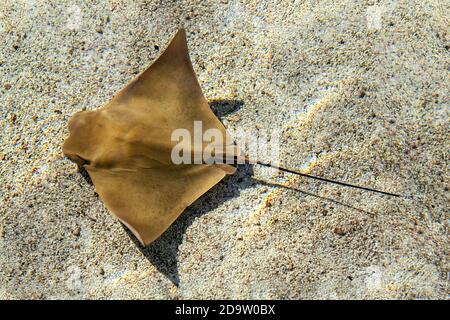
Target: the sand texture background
pixel 358 89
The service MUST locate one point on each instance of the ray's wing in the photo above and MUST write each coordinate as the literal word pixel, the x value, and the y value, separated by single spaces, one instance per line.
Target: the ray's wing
pixel 168 96
pixel 149 201
pixel 126 145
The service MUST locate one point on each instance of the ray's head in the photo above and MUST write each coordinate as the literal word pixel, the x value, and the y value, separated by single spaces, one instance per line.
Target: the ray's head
pixel 83 132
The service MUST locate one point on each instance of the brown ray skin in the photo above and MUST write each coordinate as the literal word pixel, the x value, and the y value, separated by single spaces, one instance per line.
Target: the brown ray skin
pixel 126 145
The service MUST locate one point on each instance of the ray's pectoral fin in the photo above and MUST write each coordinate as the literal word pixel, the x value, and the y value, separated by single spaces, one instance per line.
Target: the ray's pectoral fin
pixel 148 201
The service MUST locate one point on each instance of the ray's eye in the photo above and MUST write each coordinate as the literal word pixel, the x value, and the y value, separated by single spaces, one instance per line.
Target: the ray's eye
pixel 78 160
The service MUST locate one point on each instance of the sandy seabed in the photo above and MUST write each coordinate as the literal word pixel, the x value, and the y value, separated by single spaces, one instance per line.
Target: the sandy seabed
pixel 358 89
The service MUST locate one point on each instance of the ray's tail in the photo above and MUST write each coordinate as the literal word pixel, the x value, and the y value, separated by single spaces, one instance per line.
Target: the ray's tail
pixel 246 160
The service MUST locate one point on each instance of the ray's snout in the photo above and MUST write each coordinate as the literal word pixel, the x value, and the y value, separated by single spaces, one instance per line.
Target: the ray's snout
pixel 74 146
